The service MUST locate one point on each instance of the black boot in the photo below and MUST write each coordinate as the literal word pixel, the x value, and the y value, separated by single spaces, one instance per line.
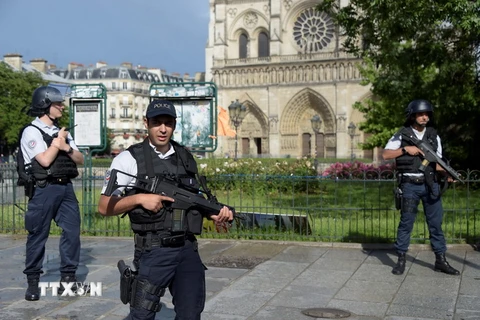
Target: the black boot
pixel 68 278
pixel 400 266
pixel 33 291
pixel 441 265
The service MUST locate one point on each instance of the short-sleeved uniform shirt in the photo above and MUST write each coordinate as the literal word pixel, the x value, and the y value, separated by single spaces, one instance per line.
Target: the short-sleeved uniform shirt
pixel 32 142
pixel 125 162
pixel 396 141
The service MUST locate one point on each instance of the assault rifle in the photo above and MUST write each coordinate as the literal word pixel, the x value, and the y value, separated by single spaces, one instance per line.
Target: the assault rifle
pixel 430 156
pixel 186 197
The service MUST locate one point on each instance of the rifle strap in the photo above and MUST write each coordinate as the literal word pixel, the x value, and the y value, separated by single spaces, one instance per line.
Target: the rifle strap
pixel 203 182
pixel 148 158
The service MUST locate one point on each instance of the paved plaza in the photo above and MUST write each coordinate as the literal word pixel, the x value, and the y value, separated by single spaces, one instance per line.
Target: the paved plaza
pixel 262 280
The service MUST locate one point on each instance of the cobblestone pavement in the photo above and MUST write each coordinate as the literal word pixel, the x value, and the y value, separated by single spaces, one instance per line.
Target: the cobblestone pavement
pixel 262 280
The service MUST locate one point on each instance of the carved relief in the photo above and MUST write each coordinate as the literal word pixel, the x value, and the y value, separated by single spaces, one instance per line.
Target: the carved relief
pixel 266 9
pixel 250 20
pixel 289 143
pixel 232 12
pixel 330 141
pixel 307 73
pixel 341 120
pixel 273 121
pixel 287 4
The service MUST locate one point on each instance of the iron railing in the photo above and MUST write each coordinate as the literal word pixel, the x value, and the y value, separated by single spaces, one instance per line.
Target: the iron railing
pixel 342 207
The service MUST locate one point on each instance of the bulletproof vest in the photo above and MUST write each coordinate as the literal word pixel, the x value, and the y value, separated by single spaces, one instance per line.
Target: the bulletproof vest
pixel 180 166
pixel 62 167
pixel 411 164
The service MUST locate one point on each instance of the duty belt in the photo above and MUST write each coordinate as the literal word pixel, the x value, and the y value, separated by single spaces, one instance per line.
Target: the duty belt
pixel 413 179
pixel 58 180
pixel 42 183
pixel 151 240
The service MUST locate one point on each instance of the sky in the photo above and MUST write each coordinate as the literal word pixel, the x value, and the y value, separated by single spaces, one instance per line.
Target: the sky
pixel 165 34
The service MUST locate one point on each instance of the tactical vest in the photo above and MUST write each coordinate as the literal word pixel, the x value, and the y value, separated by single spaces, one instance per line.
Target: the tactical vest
pixel 182 165
pixel 62 167
pixel 409 164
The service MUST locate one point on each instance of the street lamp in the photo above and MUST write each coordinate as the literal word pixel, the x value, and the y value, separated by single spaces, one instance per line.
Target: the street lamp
pixel 316 123
pixel 237 112
pixel 351 132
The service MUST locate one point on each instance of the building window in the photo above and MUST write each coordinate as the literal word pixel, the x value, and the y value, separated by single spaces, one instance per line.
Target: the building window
pixel 263 45
pixel 89 74
pixel 313 30
pixel 125 112
pixel 243 46
pixel 112 114
pixel 114 85
pixel 125 86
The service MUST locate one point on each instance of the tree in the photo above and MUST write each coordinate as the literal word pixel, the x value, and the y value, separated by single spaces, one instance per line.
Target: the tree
pixel 16 90
pixel 415 49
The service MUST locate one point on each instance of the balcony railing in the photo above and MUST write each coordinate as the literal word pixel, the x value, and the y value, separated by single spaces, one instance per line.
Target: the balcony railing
pixel 321 56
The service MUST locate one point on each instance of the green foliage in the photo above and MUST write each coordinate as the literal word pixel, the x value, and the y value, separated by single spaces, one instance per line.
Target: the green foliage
pixel 16 90
pixel 417 49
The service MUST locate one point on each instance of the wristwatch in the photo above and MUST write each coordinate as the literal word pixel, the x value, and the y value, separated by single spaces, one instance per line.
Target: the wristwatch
pixel 404 151
pixel 70 151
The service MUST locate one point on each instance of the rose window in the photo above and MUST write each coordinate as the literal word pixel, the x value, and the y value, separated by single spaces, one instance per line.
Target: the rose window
pixel 313 30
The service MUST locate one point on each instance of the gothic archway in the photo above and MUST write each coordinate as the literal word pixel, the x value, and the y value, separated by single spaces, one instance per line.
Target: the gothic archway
pixel 253 132
pixel 296 122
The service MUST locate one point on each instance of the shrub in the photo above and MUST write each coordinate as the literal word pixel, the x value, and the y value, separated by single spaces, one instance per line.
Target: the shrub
pixel 255 175
pixel 359 170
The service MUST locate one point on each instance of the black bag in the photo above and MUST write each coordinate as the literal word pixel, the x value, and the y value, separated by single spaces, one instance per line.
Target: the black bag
pixel 25 178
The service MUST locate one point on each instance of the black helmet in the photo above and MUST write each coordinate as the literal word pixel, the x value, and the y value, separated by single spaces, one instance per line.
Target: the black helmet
pixel 42 99
pixel 417 106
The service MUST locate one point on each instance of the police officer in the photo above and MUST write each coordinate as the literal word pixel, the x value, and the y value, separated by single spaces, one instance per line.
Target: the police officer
pixel 166 252
pixel 418 185
pixel 52 162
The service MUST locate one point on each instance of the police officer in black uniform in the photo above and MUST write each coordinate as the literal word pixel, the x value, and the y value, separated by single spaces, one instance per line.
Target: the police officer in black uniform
pixel 419 184
pixel 166 252
pixel 51 158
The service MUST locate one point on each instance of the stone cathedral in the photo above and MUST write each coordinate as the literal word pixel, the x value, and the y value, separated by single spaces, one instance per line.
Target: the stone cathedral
pixel 284 61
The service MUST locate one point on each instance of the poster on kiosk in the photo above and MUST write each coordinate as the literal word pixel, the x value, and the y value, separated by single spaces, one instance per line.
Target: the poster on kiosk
pixel 196 107
pixel 87 107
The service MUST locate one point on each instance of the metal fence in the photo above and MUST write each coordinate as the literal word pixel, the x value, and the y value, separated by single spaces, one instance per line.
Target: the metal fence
pixel 342 207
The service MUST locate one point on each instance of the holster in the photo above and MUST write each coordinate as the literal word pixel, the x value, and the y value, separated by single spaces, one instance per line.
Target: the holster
pixel 127 276
pixel 398 198
pixel 29 188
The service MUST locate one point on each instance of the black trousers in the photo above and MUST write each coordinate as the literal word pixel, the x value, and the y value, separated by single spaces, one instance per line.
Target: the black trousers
pixel 182 271
pixel 53 202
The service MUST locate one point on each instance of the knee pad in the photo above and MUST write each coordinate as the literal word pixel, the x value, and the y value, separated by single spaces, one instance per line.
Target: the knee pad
pixel 146 295
pixel 410 205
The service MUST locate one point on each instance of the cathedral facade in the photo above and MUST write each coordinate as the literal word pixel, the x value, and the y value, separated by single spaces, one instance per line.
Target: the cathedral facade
pixel 283 60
